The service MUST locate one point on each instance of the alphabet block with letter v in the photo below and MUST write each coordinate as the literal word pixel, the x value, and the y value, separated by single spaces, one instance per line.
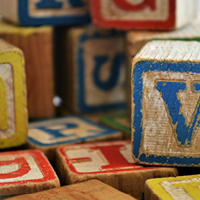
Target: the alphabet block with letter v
pixel 24 172
pixel 180 187
pixel 143 14
pixel 47 135
pixel 87 190
pixel 109 162
pixel 13 102
pixel 165 103
pixel 91 70
pixel 45 12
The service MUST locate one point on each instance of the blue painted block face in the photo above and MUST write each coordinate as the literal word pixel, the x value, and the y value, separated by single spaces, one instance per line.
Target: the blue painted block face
pixel 166 110
pixel 101 75
pixel 68 130
pixel 53 12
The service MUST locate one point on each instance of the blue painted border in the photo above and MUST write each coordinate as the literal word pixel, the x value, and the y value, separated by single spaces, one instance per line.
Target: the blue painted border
pixel 82 106
pixel 143 67
pixel 26 20
pixel 107 131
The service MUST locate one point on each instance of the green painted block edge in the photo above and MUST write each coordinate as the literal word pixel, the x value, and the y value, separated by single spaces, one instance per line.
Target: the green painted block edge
pixel 111 122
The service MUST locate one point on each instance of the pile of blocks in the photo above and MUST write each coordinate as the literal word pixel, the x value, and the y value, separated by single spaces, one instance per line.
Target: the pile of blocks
pixel 99 99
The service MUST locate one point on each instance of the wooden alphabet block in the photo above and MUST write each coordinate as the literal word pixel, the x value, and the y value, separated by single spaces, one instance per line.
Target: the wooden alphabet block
pixel 91 190
pixel 165 103
pixel 181 187
pixel 143 14
pixel 119 122
pixel 36 44
pixel 45 12
pixel 24 172
pixel 93 69
pixel 135 40
pixel 109 162
pixel 13 106
pixel 49 134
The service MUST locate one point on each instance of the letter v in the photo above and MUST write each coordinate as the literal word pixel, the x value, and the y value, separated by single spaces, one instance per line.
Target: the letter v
pixel 169 92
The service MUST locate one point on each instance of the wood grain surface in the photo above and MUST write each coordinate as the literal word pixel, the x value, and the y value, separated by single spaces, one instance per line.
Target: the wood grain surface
pixel 165 103
pixel 87 190
pixel 13 107
pixel 109 162
pixel 37 46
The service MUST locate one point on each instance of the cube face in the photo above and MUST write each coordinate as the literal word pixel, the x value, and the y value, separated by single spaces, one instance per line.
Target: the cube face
pixel 166 112
pixel 125 14
pixel 24 167
pixel 13 117
pixel 181 187
pixel 100 71
pixel 100 158
pixel 52 12
pixel 69 130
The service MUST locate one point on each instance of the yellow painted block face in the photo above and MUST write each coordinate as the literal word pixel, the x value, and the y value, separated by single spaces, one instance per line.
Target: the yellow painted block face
pixel 181 187
pixel 13 103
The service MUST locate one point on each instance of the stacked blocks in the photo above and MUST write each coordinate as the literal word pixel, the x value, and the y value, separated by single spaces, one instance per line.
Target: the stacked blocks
pixel 13 106
pixel 165 103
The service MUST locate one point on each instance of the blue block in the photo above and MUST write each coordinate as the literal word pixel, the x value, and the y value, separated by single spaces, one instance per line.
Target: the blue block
pixel 47 12
pixel 166 108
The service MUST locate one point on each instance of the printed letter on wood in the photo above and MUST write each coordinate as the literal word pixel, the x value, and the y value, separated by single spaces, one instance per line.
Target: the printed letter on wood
pixel 165 103
pixel 110 162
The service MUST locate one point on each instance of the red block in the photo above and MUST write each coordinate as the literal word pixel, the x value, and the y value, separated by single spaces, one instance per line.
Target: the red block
pixel 25 172
pixel 143 14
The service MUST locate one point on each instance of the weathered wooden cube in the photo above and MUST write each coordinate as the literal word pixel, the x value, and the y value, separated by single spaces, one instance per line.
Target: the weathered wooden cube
pixel 37 46
pixel 143 14
pixel 45 12
pixel 48 135
pixel 13 106
pixel 90 69
pixel 165 103
pixel 92 189
pixel 109 162
pixel 181 187
pixel 25 172
pixel 119 122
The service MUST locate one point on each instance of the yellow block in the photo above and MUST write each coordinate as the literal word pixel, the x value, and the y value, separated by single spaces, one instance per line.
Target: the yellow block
pixel 13 106
pixel 173 188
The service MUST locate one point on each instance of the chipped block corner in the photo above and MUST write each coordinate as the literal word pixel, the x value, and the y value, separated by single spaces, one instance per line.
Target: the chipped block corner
pixel 13 107
pixel 165 103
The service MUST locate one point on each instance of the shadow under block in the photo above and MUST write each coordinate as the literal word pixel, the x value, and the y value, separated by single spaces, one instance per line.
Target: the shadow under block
pixel 88 190
pixel 24 172
pixel 13 106
pixel 45 12
pixel 118 122
pixel 91 69
pixel 181 187
pixel 48 135
pixel 37 46
pixel 135 40
pixel 146 14
pixel 109 162
pixel 165 103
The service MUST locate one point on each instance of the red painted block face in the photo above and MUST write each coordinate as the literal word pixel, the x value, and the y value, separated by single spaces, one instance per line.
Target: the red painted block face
pixel 141 14
pixel 100 158
pixel 110 162
pixel 19 168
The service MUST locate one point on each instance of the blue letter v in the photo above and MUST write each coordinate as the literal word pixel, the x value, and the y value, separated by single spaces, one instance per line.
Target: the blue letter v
pixel 169 92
